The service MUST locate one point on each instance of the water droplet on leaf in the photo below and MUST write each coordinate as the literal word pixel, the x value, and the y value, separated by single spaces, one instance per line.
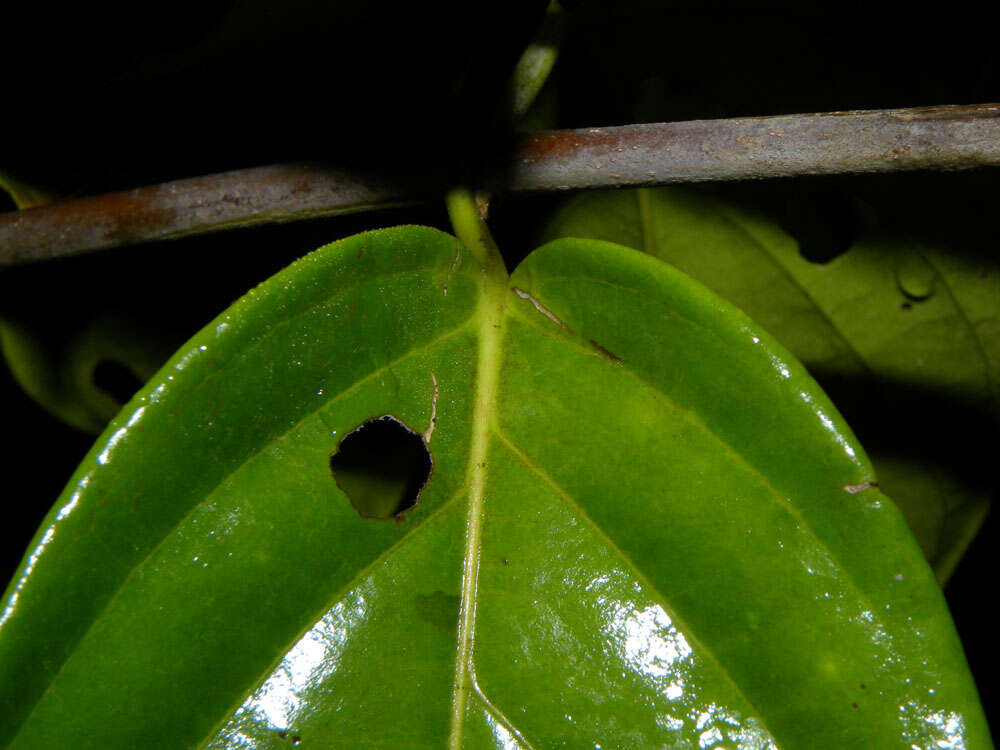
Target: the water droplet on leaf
pixel 915 277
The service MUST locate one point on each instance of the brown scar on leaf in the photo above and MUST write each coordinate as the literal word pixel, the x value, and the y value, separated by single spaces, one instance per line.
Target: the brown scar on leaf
pixel 434 400
pixel 454 265
pixel 854 489
pixel 606 352
pixel 551 316
pixel 542 309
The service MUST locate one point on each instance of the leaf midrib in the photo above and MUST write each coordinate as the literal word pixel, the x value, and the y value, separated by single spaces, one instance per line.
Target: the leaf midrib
pixel 485 425
pixel 491 316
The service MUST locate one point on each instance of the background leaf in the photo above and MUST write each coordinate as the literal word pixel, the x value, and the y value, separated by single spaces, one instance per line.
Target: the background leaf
pixel 645 525
pixel 81 370
pixel 72 365
pixel 904 336
pixel 23 194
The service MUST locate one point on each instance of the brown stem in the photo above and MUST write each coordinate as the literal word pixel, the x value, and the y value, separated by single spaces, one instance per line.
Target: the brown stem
pixel 760 147
pixel 942 138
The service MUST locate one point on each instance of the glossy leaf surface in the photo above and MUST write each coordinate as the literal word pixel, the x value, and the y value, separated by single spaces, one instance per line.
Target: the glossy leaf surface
pixel 905 337
pixel 645 526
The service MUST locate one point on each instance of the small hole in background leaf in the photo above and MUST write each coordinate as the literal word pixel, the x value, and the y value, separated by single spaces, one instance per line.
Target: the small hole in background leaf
pixel 116 379
pixel 283 734
pixel 825 223
pixel 915 277
pixel 381 466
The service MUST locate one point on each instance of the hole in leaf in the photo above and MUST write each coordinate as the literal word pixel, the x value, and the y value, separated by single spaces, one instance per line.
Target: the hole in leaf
pixel 824 222
pixel 381 466
pixel 115 379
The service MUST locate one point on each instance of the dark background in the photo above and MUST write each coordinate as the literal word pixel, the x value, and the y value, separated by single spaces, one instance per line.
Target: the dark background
pixel 97 99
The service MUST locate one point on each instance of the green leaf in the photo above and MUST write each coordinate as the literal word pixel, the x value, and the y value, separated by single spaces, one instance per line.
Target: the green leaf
pixel 645 527
pixel 532 71
pixel 81 368
pixel 905 338
pixel 23 194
